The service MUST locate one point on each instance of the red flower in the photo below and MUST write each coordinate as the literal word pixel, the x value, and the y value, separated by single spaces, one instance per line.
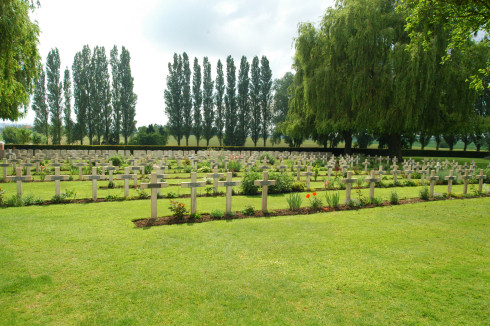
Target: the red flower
pixel 314 194
pixel 308 196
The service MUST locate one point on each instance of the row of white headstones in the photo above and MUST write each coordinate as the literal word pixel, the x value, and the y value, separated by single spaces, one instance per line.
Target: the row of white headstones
pixel 154 185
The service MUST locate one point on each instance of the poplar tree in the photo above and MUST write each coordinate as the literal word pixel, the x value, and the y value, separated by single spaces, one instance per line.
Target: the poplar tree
pixel 101 95
pixel 243 123
pixel 128 97
pixel 230 103
pixel 54 87
pixel 255 119
pixel 40 107
pixel 265 96
pixel 186 98
pixel 173 98
pixel 197 100
pixel 67 94
pixel 81 91
pixel 219 96
pixel 207 101
pixel 115 96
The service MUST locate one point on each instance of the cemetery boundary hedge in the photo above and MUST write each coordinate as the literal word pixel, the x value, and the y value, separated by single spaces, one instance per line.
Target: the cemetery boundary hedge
pixel 336 151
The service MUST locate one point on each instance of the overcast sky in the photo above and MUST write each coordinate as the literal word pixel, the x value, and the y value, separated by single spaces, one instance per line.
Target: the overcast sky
pixel 152 30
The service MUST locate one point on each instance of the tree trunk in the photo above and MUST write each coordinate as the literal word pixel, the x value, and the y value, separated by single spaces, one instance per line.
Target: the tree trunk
pixel 348 141
pixel 395 146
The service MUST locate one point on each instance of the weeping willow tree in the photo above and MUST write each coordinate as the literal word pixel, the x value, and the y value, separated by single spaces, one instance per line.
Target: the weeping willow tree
pixel 355 73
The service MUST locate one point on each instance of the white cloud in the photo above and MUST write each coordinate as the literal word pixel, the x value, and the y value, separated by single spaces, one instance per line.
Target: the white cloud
pixel 153 30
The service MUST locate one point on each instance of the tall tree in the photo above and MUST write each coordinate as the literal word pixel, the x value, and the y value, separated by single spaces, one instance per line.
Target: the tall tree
pixel 40 107
pixel 219 96
pixel 173 99
pixel 186 97
pixel 67 94
pixel 101 95
pixel 282 96
pixel 54 87
pixel 255 119
pixel 243 123
pixel 81 91
pixel 19 57
pixel 197 100
pixel 230 103
pixel 128 97
pixel 207 101
pixel 116 96
pixel 265 96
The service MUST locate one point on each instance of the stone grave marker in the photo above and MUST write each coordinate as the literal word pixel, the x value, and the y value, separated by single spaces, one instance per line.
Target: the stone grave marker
pixel 126 177
pixel 57 178
pixel 348 185
pixel 194 184
pixel 466 177
pixel 94 177
pixel 480 179
pixel 298 169
pixel 265 183
pixel 215 175
pixel 308 175
pixel 80 166
pixel 111 168
pixel 4 167
pixel 28 165
pixel 450 178
pixel 155 186
pixel 229 184
pixel 433 178
pixel 372 181
pixel 18 178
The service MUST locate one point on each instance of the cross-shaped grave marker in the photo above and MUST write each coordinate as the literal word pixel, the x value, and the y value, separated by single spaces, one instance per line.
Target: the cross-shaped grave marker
pixel 94 177
pixel 450 179
pixel 28 165
pixel 57 178
pixel 308 175
pixel 298 169
pixel 265 183
pixel 229 184
pixel 348 185
pixel 433 178
pixel 4 167
pixel 466 178
pixel 80 166
pixel 215 177
pixel 366 163
pixel 155 186
pixel 480 179
pixel 111 168
pixel 55 162
pixel 18 178
pixel 408 172
pixel 194 184
pixel 423 172
pixel 282 167
pixel 395 173
pixel 330 166
pixel 372 181
pixel 126 177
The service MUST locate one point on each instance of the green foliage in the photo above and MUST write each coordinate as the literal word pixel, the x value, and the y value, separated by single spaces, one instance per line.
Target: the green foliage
pixel 67 196
pixel 217 214
pixel 248 210
pixel 12 135
pixel 197 100
pixel 19 57
pixel 178 209
pixel 172 194
pixel 111 185
pixel 255 117
pixel 284 183
pixel 332 198
pixel 377 201
pixel 117 160
pixel 294 201
pixel 268 157
pixel 54 94
pixel 247 185
pixel 234 166
pixel 195 216
pixel 315 202
pixel 219 97
pixel 207 101
pixel 424 193
pixel 394 198
pixel 230 103
pixel 298 186
pixel 142 194
pixel 128 97
pixel 113 197
pixel 149 136
pixel 243 103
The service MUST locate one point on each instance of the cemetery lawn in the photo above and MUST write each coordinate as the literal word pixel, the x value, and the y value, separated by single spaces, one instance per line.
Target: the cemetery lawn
pixel 86 264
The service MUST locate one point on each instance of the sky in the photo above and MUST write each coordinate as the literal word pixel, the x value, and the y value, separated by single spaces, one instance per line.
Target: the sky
pixel 153 30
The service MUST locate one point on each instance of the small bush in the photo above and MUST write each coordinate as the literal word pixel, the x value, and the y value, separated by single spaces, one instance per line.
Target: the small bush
pixel 284 182
pixel 424 193
pixel 298 187
pixel 247 185
pixel 377 201
pixel 394 198
pixel 294 201
pixel 332 199
pixel 217 214
pixel 111 185
pixel 409 183
pixel 267 156
pixel 248 210
pixel 315 202
pixel 204 169
pixel 354 203
pixel 114 198
pixel 117 160
pixel 195 216
pixel 178 209
pixel 234 166
pixel 172 194
pixel 142 194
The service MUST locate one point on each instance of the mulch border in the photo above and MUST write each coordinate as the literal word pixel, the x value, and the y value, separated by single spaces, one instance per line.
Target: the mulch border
pixel 171 220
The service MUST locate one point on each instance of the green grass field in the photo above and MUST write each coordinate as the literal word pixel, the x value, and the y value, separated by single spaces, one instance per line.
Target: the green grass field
pixel 425 263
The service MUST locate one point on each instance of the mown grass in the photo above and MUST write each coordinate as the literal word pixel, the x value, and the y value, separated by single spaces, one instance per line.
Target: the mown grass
pixel 86 264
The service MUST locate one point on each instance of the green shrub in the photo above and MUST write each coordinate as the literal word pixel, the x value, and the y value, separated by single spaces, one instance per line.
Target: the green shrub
pixel 195 216
pixel 284 182
pixel 377 201
pixel 117 160
pixel 217 214
pixel 142 194
pixel 394 198
pixel 204 169
pixel 178 209
pixel 111 185
pixel 234 166
pixel 332 199
pixel 172 194
pixel 248 210
pixel 315 202
pixel 267 156
pixel 247 185
pixel 114 198
pixel 294 201
pixel 298 187
pixel 424 193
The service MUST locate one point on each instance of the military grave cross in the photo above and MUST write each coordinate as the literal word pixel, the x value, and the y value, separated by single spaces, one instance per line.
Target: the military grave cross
pixel 193 185
pixel 265 183
pixel 57 178
pixel 348 185
pixel 154 185
pixel 18 178
pixel 229 184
